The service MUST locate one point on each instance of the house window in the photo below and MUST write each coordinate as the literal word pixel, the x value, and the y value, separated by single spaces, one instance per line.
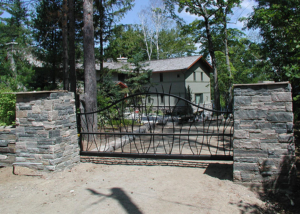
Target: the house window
pixel 161 77
pixel 198 98
pixel 149 99
pixel 194 76
pixel 161 98
pixel 178 75
pixel 201 76
pixel 121 77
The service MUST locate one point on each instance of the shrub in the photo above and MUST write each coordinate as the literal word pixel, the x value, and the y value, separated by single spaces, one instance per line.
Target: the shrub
pixel 7 108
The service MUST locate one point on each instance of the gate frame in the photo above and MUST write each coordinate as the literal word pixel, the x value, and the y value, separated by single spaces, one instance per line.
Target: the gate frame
pixel 160 156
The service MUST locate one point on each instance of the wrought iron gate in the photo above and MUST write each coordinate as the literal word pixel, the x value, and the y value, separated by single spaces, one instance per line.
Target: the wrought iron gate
pixel 157 125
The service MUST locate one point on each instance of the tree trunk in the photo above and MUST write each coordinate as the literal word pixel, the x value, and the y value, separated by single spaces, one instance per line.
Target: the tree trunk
pixel 90 84
pixel 230 97
pixel 100 8
pixel 65 45
pixel 214 65
pixel 54 60
pixel 101 35
pixel 157 44
pixel 146 33
pixel 72 46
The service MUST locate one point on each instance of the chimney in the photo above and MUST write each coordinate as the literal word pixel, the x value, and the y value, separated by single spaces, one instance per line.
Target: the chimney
pixel 122 59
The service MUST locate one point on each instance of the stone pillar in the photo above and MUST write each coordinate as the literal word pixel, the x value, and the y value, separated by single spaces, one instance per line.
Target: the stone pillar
pixel 46 130
pixel 7 145
pixel 264 149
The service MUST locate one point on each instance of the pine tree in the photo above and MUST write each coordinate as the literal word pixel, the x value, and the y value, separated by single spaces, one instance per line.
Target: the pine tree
pixel 107 13
pixel 15 41
pixel 48 36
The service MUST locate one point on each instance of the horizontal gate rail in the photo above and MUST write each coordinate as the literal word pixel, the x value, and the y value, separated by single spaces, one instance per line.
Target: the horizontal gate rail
pixel 157 134
pixel 159 156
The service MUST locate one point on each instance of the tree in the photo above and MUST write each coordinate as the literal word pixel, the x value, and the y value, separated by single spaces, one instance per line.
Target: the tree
pixel 227 7
pixel 148 35
pixel 175 43
pixel 65 45
pixel 108 91
pixel 106 14
pixel 278 23
pixel 246 64
pixel 207 10
pixel 159 20
pixel 48 37
pixel 126 40
pixel 90 84
pixel 154 19
pixel 137 76
pixel 72 56
pixel 15 40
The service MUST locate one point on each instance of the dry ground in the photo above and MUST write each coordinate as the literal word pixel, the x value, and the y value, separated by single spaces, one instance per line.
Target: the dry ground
pixel 91 188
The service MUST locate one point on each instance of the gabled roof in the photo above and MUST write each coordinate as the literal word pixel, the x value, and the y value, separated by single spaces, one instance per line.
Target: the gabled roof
pixel 162 65
pixel 175 64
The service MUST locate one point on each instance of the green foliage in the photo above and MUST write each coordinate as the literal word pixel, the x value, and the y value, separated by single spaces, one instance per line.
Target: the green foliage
pixel 175 43
pixel 223 77
pixel 48 34
pixel 279 23
pixel 188 94
pixel 15 40
pixel 7 107
pixel 123 122
pixel 138 77
pixel 126 40
pixel 108 91
pixel 106 15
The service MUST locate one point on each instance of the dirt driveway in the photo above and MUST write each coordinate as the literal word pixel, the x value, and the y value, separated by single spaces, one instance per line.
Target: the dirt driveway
pixel 91 188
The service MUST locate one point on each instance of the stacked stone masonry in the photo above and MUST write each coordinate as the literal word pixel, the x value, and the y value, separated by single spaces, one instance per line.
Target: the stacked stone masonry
pixel 46 130
pixel 264 148
pixel 144 162
pixel 7 145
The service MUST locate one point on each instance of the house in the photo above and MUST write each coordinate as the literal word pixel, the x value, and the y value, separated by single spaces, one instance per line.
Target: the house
pixel 179 73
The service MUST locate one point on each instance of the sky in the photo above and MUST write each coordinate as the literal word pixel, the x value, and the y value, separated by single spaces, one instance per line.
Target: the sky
pixel 245 9
pixel 132 16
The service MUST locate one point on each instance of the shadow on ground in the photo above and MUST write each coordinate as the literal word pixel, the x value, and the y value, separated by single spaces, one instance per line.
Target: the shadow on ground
pixel 220 171
pixel 123 199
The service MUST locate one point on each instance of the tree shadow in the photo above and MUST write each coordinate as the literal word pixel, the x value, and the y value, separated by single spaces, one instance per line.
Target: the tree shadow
pixel 119 195
pixel 252 208
pixel 220 171
pixel 280 189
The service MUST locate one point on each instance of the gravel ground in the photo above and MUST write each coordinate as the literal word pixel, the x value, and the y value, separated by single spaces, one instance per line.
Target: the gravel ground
pixel 95 188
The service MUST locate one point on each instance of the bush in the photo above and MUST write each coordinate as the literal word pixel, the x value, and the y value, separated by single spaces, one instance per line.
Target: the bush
pixel 7 108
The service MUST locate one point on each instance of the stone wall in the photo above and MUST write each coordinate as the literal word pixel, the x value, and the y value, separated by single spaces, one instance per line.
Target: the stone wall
pixel 7 145
pixel 143 161
pixel 46 130
pixel 263 144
